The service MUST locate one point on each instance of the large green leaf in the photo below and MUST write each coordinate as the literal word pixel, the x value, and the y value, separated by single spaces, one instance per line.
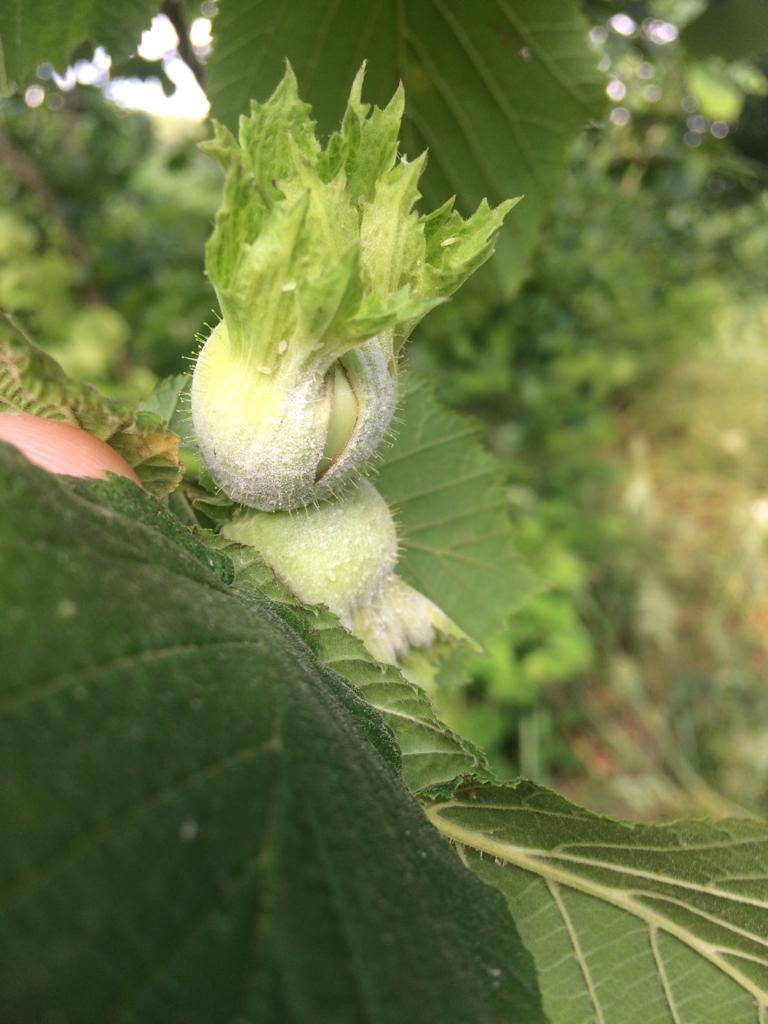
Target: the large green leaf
pixel 457 542
pixel 431 752
pixel 37 31
pixel 497 90
pixel 200 822
pixel 629 924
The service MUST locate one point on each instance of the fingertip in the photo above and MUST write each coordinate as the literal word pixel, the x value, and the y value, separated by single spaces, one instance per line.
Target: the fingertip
pixel 62 448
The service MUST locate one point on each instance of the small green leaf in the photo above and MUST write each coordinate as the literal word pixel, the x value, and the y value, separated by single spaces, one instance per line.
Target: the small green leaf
pixel 169 400
pixel 153 452
pixel 629 924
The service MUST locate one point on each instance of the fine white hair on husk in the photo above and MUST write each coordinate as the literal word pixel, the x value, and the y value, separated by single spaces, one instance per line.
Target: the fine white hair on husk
pixel 262 437
pixel 339 553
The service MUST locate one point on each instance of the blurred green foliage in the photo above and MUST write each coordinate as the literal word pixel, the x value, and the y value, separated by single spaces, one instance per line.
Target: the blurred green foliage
pixel 102 230
pixel 658 242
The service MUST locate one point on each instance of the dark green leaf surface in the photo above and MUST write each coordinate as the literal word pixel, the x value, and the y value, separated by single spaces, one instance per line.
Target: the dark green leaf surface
pixel 170 402
pixel 465 67
pixel 431 752
pixel 629 924
pixel 457 543
pixel 201 824
pixel 36 31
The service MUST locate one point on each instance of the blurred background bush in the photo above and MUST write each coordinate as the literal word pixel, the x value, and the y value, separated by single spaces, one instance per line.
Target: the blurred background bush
pixel 625 387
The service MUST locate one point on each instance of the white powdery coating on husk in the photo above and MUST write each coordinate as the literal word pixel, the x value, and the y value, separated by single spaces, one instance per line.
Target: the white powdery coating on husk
pixel 267 464
pixel 270 461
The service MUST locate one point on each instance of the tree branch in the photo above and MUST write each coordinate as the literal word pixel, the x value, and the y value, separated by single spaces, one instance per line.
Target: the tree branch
pixel 173 12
